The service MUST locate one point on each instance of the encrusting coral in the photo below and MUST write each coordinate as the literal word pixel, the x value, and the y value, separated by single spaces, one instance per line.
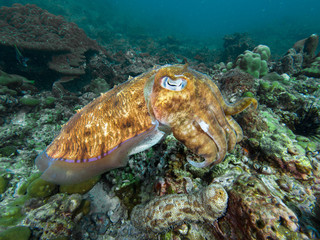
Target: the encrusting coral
pixel 161 213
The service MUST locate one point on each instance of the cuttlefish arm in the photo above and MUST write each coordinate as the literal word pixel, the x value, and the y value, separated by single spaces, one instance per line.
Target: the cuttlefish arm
pixel 194 138
pixel 235 108
pixel 236 128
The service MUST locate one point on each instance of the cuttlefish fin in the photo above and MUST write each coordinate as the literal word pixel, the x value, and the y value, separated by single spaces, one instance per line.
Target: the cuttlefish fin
pixel 61 171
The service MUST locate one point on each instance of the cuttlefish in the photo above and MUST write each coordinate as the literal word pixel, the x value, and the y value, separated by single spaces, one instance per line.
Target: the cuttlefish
pixel 136 115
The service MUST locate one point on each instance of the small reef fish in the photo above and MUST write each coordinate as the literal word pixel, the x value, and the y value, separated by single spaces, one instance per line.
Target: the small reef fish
pixel 136 115
pixel 20 58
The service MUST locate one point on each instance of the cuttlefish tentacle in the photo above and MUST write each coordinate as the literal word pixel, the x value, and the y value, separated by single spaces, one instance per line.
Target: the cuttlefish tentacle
pixel 236 127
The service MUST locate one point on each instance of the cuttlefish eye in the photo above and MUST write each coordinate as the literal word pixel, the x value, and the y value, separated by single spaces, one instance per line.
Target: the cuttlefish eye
pixel 173 84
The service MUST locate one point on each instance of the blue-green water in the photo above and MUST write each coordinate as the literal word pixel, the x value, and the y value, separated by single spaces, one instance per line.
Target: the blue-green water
pixel 278 24
pixel 207 18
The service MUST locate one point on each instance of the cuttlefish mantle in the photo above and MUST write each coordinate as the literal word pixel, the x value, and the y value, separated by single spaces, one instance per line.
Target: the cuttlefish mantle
pixel 136 115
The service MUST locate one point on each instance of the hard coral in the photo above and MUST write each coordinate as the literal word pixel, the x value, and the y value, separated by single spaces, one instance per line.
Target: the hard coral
pixel 33 30
pixel 255 62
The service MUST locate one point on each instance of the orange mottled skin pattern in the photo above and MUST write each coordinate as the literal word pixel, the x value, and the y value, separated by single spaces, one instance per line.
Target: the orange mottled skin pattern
pixel 136 115
pixel 103 124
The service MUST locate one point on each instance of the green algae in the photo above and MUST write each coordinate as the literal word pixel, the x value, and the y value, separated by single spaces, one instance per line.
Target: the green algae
pixel 80 188
pixel 10 214
pixel 314 69
pixel 274 124
pixel 166 236
pixel 306 144
pixel 16 233
pixel 279 143
pixel 248 94
pixel 61 238
pixel 49 101
pixel 29 101
pixel 10 80
pixel 283 232
pixel 40 188
pixel 3 184
pixel 5 90
pixel 34 187
pixel 274 86
pixel 23 188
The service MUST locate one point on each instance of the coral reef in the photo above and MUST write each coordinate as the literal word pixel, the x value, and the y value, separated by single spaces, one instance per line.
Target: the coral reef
pixel 163 213
pixel 290 63
pixel 307 46
pixel 36 33
pixel 252 201
pixel 313 69
pixel 272 176
pixel 56 218
pixel 235 83
pixel 301 58
pixel 235 44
